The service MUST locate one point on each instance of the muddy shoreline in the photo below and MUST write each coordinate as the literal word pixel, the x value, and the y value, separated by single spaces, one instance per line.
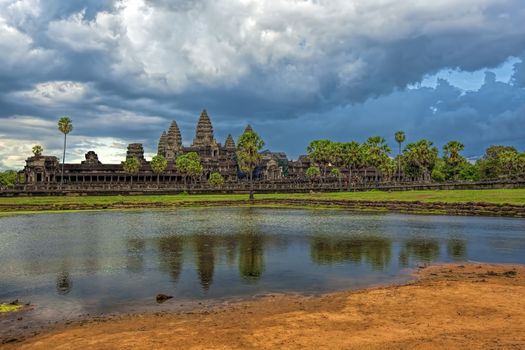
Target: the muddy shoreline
pixel 413 207
pixel 475 306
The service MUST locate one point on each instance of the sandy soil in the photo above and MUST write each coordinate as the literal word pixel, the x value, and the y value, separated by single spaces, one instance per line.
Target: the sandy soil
pixel 468 306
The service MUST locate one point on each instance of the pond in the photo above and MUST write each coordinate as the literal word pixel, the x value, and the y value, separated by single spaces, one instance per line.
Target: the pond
pixel 70 264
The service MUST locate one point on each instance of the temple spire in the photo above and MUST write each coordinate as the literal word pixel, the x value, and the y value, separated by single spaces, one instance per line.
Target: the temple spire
pixel 248 128
pixel 173 141
pixel 161 150
pixel 204 132
pixel 230 144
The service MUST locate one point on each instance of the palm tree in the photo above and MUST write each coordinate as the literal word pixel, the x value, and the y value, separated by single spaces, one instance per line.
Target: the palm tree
pixel 351 157
pixel 378 149
pixel 319 152
pixel 132 167
pixel 64 126
pixel 400 138
pixel 248 155
pixel 37 150
pixel 158 165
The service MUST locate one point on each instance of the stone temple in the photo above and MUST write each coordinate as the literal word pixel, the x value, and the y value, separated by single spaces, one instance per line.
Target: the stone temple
pixel 215 157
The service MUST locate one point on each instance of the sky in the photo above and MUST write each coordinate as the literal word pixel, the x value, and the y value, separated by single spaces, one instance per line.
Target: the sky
pixel 296 70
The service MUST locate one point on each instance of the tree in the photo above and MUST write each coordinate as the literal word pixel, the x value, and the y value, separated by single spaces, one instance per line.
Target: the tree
pixel 313 172
pixel 490 165
pixel 189 164
pixel 420 158
pixel 387 167
pixel 337 173
pixel 248 156
pixel 378 151
pixel 400 138
pixel 216 179
pixel 37 150
pixel 351 157
pixel 132 167
pixel 65 126
pixel 509 162
pixel 158 165
pixel 320 153
pixel 453 161
pixel 8 178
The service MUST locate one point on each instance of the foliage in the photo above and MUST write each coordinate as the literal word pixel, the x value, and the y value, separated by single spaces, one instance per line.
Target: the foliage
pixel 469 172
pixel 248 156
pixel 313 172
pixel 189 164
pixel 453 160
pixel 420 158
pixel 320 152
pixel 158 164
pixel 65 125
pixel 490 166
pixel 387 167
pixel 8 178
pixel 248 147
pixel 37 150
pixel 216 179
pixel 131 165
pixel 400 137
pixel 335 172
pixel 6 308
pixel 439 171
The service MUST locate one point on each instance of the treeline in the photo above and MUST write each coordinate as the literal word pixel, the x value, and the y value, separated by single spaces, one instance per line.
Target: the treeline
pixel 417 161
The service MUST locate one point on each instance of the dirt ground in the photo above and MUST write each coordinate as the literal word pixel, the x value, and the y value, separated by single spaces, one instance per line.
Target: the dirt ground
pixel 472 306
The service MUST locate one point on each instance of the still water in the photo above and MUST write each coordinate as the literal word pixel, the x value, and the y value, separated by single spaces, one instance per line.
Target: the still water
pixel 76 263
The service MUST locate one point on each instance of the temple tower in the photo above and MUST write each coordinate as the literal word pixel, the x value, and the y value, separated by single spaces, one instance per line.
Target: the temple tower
pixel 248 128
pixel 229 144
pixel 136 150
pixel 173 142
pixel 204 132
pixel 163 143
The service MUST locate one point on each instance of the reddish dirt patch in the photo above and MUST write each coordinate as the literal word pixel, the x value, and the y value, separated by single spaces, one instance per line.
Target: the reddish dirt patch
pixel 472 306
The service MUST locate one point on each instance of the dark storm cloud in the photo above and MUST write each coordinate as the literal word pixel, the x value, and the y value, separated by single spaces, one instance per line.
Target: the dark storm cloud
pixel 296 70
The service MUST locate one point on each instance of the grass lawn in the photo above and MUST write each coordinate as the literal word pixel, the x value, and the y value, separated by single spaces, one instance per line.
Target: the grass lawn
pixel 508 196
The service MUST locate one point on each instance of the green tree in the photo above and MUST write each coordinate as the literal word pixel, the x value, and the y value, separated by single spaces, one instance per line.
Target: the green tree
pixel 378 151
pixel 453 160
pixel 351 157
pixel 248 156
pixel 439 171
pixel 313 172
pixel 490 166
pixel 158 164
pixel 400 138
pixel 387 167
pixel 420 158
pixel 509 162
pixel 469 172
pixel 320 153
pixel 37 150
pixel 336 172
pixel 132 167
pixel 8 178
pixel 189 164
pixel 216 179
pixel 65 126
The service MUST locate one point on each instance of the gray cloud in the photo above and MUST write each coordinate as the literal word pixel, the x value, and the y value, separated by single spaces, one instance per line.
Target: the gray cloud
pixel 297 70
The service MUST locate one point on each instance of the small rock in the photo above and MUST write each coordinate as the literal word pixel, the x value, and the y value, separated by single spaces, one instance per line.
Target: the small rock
pixel 163 297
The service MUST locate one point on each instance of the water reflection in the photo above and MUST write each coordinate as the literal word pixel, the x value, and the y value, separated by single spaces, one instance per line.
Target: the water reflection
pixel 220 251
pixel 373 250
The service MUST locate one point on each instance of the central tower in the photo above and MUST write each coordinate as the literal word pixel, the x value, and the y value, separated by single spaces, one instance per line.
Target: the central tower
pixel 204 132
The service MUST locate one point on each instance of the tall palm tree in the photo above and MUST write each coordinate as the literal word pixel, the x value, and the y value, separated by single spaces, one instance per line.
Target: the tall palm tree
pixel 400 138
pixel 65 126
pixel 248 155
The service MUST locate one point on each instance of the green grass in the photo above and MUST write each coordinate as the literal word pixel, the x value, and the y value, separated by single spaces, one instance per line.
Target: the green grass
pixel 5 308
pixel 507 196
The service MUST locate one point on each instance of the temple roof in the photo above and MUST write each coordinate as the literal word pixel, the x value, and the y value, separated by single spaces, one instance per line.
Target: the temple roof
pixel 173 137
pixel 229 142
pixel 204 132
pixel 248 128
